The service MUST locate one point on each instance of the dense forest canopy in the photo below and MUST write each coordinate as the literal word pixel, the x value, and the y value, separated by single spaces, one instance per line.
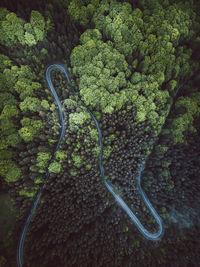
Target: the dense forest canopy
pixel 136 66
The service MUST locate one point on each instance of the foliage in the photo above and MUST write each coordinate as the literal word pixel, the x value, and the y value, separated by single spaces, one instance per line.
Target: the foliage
pixel 184 122
pixel 7 99
pixel 9 170
pixel 38 24
pixel 78 161
pixel 61 155
pixel 13 174
pixel 25 86
pixel 103 74
pixel 73 172
pixel 20 80
pixel 16 81
pixel 43 159
pixel 23 192
pixel 45 104
pixel 88 167
pixel 77 119
pixel 94 134
pixel 9 111
pixel 12 28
pixel 6 154
pixel 26 193
pixel 82 11
pixel 13 139
pixel 30 129
pixel 30 104
pixel 19 87
pixel 5 62
pixel 132 55
pixel 55 167
pixel 69 103
pixel 15 31
pixel 107 151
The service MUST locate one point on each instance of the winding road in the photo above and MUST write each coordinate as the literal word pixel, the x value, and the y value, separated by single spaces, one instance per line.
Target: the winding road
pixel 151 236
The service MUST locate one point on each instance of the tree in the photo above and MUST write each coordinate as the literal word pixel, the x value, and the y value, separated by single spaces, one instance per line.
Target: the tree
pixel 9 171
pixel 38 23
pixel 12 31
pixel 129 52
pixel 43 159
pixel 55 167
pixel 30 129
pixel 184 121
pixel 30 104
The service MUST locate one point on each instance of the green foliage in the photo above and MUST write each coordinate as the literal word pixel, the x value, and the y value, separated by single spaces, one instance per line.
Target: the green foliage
pixel 7 126
pixel 82 11
pixel 129 54
pixel 120 25
pixel 6 154
pixel 30 129
pixel 94 134
pixel 8 78
pixel 6 165
pixel 44 51
pixel 9 111
pixel 165 173
pixel 55 167
pixel 184 122
pixel 13 139
pixel 5 62
pixel 161 148
pixel 9 171
pixel 103 74
pixel 26 134
pixel 30 104
pixel 13 174
pixel 78 161
pixel 10 137
pixel 7 99
pixel 38 181
pixel 38 24
pixel 30 39
pixel 25 193
pixel 43 159
pixel 12 31
pixel 73 172
pixel 28 193
pixel 96 150
pixel 9 134
pixel 69 103
pixel 170 186
pixel 45 104
pixel 35 85
pixel 15 32
pixel 107 151
pixel 49 12
pixel 24 85
pixel 126 229
pixel 61 155
pixel 18 80
pixel 163 209
pixel 88 167
pixel 77 119
pixel 136 77
pixel 166 164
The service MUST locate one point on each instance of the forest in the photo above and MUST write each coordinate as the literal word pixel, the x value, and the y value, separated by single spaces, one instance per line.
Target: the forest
pixel 135 65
